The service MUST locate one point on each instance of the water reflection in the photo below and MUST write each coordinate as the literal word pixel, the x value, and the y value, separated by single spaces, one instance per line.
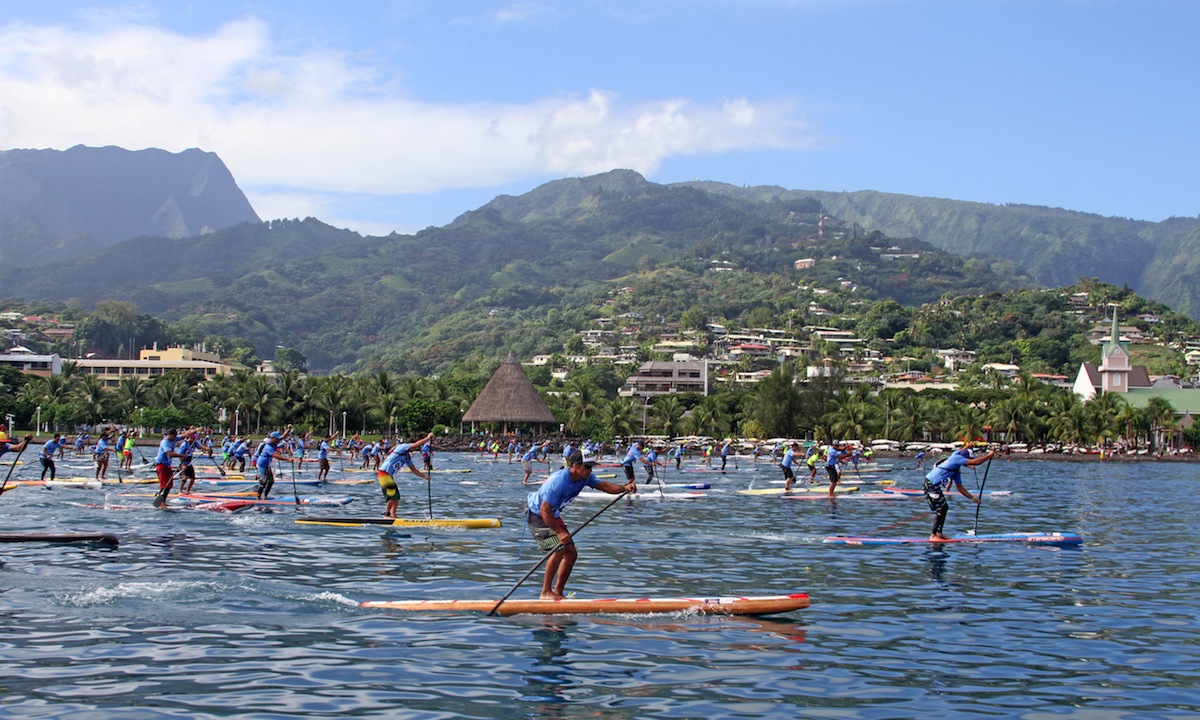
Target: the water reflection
pixel 547 681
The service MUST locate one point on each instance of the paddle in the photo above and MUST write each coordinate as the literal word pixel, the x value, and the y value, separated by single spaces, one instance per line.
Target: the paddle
pixel 546 556
pixel 14 464
pixel 295 492
pixel 979 504
pixel 160 498
pixel 214 462
pixel 429 491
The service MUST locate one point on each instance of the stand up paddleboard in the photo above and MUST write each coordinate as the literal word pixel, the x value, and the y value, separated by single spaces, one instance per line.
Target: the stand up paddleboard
pixel 780 492
pixel 322 500
pixel 645 492
pixel 921 493
pixel 762 605
pixel 464 523
pixel 101 538
pixel 1059 539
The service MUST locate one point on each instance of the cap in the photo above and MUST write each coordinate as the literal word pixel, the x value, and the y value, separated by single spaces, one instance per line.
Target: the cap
pixel 581 457
pixel 275 435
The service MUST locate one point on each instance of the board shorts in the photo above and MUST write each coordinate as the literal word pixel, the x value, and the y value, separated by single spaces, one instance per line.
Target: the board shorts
pixel 527 466
pixel 787 473
pixel 164 473
pixel 832 472
pixel 935 496
pixel 387 484
pixel 545 538
pixel 628 472
pixel 323 464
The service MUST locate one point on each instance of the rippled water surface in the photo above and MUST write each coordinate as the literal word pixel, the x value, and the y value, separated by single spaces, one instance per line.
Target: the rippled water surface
pixel 200 614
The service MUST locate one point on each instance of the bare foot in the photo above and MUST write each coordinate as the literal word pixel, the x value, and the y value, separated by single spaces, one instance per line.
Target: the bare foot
pixel 938 537
pixel 550 596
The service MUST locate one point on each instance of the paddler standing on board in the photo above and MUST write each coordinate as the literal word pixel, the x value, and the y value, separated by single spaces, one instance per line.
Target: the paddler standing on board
pixel 536 453
pixel 833 456
pixel 789 458
pixel 548 528
pixel 400 456
pixel 162 467
pixel 268 451
pixel 938 481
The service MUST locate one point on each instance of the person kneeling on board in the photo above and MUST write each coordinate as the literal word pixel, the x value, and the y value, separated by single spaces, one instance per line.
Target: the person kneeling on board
pixel 400 456
pixel 938 481
pixel 547 526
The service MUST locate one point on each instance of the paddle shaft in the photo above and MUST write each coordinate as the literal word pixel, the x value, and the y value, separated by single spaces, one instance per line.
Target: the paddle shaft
pixel 214 462
pixel 546 556
pixel 979 504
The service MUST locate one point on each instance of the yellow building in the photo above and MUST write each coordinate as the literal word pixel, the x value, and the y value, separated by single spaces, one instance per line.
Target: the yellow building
pixel 155 361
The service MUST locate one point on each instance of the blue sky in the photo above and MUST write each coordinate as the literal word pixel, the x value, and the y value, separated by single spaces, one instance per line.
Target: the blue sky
pixel 382 116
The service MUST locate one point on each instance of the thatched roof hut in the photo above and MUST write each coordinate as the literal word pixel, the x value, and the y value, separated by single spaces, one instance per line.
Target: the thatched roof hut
pixel 509 397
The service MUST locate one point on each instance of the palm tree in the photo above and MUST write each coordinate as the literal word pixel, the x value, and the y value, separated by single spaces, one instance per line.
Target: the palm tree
pixel 90 394
pixel 667 412
pixel 581 403
pixel 388 407
pixel 1102 416
pixel 619 417
pixel 329 395
pixel 851 419
pixel 1162 419
pixel 261 396
pixel 174 389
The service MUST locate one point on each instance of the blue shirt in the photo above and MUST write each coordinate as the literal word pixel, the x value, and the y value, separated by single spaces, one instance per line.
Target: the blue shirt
pixel 398 458
pixel 185 448
pixel 101 447
pixel 166 446
pixel 323 451
pixel 50 448
pixel 789 457
pixel 266 454
pixel 950 469
pixel 831 457
pixel 559 491
pixel 631 456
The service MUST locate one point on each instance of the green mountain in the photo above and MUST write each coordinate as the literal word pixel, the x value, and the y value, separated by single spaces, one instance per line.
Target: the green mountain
pixel 69 202
pixel 1056 247
pixel 522 273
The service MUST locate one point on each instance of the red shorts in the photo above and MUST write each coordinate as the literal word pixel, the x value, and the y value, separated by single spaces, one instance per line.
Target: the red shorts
pixel 164 475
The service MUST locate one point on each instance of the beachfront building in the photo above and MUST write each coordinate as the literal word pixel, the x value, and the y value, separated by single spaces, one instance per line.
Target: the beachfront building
pixel 153 362
pixel 25 360
pixel 664 378
pixel 509 399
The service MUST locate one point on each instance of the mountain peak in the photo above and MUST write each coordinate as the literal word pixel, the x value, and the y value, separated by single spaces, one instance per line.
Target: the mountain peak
pixel 110 194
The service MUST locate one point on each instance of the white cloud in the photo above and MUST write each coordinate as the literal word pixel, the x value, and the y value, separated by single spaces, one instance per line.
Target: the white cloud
pixel 317 122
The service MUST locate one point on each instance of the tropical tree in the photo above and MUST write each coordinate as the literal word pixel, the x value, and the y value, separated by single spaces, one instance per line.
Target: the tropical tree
pixel 667 412
pixel 91 396
pixel 619 418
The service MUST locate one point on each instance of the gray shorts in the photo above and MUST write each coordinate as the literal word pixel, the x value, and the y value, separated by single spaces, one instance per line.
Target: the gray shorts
pixel 545 537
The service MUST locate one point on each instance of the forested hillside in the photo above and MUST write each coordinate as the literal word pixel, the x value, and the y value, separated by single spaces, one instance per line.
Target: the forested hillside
pixel 521 272
pixel 1054 246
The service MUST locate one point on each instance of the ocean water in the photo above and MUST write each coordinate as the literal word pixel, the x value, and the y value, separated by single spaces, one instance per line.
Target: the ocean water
pixel 204 615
